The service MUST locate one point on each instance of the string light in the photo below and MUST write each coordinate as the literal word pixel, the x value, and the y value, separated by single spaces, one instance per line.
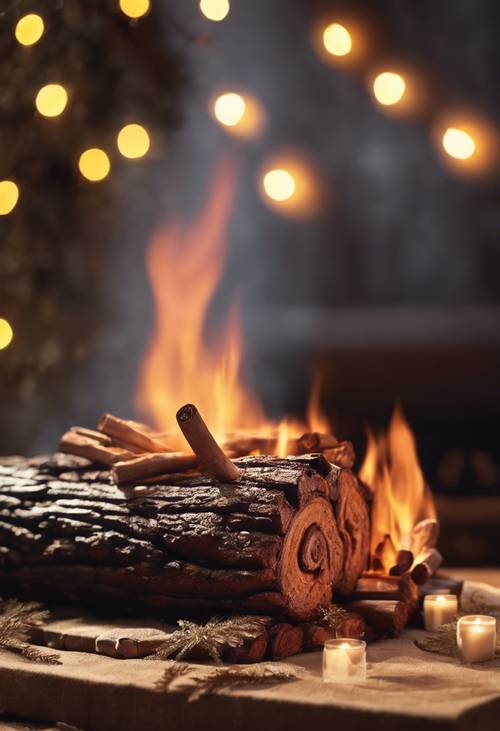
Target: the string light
pixel 215 10
pixel 337 40
pixel 458 143
pixel 51 100
pixel 279 184
pixel 389 88
pixel 229 109
pixel 134 8
pixel 29 29
pixel 6 333
pixel 94 164
pixel 133 141
pixel 9 195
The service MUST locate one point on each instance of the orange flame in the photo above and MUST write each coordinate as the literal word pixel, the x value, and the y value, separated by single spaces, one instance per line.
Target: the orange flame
pixel 402 498
pixel 185 263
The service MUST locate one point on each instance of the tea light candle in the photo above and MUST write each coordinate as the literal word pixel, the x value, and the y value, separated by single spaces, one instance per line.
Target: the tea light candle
pixel 344 661
pixel 476 637
pixel 439 609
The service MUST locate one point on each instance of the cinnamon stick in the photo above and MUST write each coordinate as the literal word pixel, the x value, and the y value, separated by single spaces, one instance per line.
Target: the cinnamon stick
pixel 150 465
pixel 404 557
pixel 96 436
pixel 201 441
pixel 131 434
pixel 316 442
pixel 245 445
pixel 429 562
pixel 73 443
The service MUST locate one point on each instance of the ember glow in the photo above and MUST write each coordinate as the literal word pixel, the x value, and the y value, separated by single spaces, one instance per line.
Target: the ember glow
pixel 181 364
pixel 402 497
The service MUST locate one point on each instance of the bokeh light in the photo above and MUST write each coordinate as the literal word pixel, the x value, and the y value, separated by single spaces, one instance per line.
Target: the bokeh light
pixel 239 113
pixel 458 143
pixel 51 100
pixel 229 109
pixel 337 39
pixel 389 88
pixel 9 195
pixel 133 141
pixel 290 184
pixel 94 164
pixel 29 29
pixel 6 333
pixel 279 184
pixel 134 8
pixel 215 10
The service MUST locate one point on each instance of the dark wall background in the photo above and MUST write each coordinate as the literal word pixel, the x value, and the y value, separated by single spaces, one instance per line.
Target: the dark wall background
pixel 393 290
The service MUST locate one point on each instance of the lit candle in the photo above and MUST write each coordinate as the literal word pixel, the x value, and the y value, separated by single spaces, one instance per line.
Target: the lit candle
pixel 344 661
pixel 439 609
pixel 476 637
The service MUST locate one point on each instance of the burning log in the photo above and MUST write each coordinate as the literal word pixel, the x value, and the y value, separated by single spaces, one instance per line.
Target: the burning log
pixel 83 446
pixel 150 465
pixel 424 535
pixel 135 437
pixel 267 544
pixel 342 454
pixel 384 616
pixel 428 563
pixel 404 557
pixel 211 456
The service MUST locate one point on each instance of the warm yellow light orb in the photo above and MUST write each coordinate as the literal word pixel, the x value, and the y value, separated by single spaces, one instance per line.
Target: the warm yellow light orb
pixel 458 143
pixel 6 333
pixel 337 40
pixel 29 29
pixel 133 141
pixel 215 10
pixel 229 109
pixel 94 164
pixel 279 184
pixel 389 88
pixel 51 100
pixel 134 8
pixel 9 195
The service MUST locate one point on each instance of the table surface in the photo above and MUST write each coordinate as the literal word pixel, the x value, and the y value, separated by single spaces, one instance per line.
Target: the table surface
pixel 405 688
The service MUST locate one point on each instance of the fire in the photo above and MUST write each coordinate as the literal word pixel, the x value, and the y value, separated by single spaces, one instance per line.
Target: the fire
pixel 402 497
pixel 185 263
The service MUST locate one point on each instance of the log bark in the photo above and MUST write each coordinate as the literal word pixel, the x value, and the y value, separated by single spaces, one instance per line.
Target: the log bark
pixel 267 544
pixel 342 454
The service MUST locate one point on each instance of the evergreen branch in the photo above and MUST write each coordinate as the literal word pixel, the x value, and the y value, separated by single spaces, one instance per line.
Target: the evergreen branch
pixel 211 638
pixel 16 621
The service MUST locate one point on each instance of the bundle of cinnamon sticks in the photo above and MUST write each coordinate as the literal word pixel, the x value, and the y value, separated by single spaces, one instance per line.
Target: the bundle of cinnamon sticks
pixel 136 453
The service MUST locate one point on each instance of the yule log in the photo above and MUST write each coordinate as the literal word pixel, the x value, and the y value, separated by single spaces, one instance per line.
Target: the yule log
pixel 277 541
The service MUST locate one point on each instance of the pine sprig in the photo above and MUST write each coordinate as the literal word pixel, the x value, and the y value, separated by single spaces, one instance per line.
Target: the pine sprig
pixel 444 641
pixel 210 638
pixel 331 616
pixel 16 620
pixel 216 680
